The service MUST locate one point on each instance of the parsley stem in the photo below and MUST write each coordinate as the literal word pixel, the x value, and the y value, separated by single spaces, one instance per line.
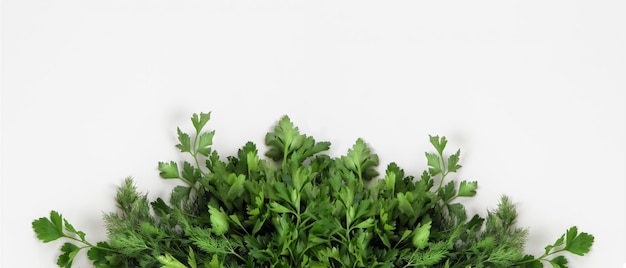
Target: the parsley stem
pixel 443 177
pixel 444 170
pixel 85 242
pixel 542 257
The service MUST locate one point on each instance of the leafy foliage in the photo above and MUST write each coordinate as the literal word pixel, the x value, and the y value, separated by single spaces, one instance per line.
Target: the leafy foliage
pixel 304 208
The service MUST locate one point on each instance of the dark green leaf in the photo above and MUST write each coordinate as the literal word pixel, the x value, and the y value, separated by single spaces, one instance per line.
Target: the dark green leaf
pixel 71 229
pixel 99 254
pixel 559 262
pixel 190 173
pixel 180 193
pixel 69 252
pixel 578 244
pixel 448 192
pixel 457 211
pixel 529 261
pixel 557 243
pixel 468 188
pixel 46 229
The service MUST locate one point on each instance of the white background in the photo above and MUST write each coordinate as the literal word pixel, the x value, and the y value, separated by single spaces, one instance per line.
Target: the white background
pixel 533 92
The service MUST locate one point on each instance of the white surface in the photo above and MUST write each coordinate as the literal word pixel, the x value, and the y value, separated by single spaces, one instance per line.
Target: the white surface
pixel 532 92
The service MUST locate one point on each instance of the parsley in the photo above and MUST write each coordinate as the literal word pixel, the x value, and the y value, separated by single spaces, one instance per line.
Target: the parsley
pixel 303 208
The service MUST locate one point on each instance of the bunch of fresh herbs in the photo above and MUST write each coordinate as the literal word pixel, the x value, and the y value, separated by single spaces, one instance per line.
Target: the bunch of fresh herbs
pixel 300 207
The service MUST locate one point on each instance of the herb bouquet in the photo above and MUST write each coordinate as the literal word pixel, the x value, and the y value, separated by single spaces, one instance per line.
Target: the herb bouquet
pixel 303 208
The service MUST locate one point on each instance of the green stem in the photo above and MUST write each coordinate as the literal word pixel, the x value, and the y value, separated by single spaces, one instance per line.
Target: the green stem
pixel 85 242
pixel 444 170
pixel 232 251
pixel 542 257
pixel 443 177
pixel 194 154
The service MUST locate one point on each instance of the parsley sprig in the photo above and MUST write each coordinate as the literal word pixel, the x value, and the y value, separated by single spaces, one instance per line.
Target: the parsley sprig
pixel 300 207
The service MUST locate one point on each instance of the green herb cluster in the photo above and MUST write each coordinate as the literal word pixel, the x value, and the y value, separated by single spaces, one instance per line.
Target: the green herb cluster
pixel 300 207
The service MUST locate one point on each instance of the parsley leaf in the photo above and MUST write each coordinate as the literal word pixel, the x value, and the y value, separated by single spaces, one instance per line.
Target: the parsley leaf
pixel 168 170
pixel 578 243
pixel 468 188
pixel 49 229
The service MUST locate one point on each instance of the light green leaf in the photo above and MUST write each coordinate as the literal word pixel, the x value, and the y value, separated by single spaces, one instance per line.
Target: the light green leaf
pixel 283 140
pixel 192 259
pixel 200 121
pixel 215 262
pixel 361 160
pixel 219 221
pixel 278 208
pixel 168 261
pixel 252 159
pixel 168 170
pixel 235 219
pixel 433 164
pixel 236 189
pixel 453 162
pixel 184 141
pixel 438 143
pixel 421 234
pixel 205 142
pixel 365 224
pixel 404 203
pixel 390 180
